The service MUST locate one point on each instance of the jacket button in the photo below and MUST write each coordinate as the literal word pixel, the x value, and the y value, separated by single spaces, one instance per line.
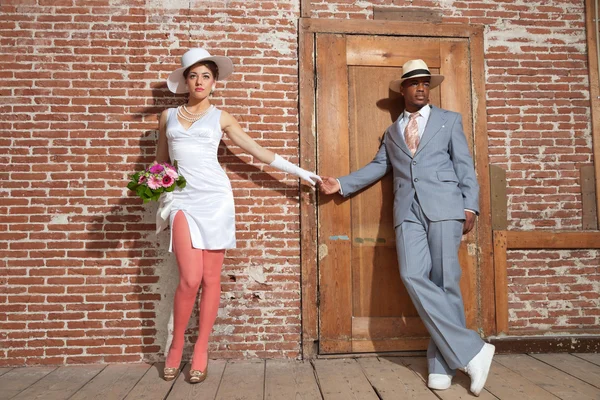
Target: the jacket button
pixel 414 163
pixel 416 179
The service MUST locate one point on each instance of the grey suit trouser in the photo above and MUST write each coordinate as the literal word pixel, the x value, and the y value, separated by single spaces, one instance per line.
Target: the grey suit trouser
pixel 429 268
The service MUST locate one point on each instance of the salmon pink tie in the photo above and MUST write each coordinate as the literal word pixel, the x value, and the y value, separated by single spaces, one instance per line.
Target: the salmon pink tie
pixel 411 133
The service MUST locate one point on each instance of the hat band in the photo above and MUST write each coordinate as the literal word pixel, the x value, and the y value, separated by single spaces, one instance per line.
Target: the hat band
pixel 416 72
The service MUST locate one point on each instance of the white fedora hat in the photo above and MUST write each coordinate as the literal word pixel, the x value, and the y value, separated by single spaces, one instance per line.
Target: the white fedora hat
pixel 176 80
pixel 416 69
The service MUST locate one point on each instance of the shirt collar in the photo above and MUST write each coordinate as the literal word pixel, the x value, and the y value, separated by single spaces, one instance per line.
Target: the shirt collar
pixel 423 112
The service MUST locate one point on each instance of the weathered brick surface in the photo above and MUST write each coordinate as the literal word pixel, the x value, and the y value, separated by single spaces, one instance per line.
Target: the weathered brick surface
pixel 82 85
pixel 84 278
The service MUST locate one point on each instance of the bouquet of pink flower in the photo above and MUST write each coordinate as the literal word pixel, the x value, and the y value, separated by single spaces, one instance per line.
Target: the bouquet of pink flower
pixel 156 180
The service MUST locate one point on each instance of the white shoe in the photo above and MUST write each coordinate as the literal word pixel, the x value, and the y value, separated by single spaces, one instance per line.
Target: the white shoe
pixel 439 381
pixel 479 367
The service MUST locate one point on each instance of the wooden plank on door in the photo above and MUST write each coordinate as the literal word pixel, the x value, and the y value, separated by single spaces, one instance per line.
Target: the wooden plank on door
pixel 387 328
pixel 152 385
pixel 455 94
pixel 480 150
pixel 549 378
pixel 456 87
pixel 392 379
pixel 19 379
pixel 114 382
pixel 460 384
pixel 286 379
pixel 391 51
pixel 506 384
pixel 398 28
pixel 308 205
pixel 61 383
pixel 572 365
pixel 183 390
pixel 243 380
pixel 378 294
pixel 373 346
pixel 335 284
pixel 343 379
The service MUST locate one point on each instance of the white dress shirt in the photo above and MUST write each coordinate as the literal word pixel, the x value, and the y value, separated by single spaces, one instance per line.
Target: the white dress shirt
pixel 422 119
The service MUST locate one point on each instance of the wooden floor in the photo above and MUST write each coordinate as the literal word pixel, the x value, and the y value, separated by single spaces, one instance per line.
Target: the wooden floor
pixel 512 377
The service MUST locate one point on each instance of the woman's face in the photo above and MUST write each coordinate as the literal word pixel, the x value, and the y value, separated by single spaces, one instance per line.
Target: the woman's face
pixel 200 82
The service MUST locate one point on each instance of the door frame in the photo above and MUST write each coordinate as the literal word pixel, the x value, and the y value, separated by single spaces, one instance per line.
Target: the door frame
pixel 308 28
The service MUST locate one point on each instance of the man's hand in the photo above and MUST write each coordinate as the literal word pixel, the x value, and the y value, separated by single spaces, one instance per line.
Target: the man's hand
pixel 329 185
pixel 469 222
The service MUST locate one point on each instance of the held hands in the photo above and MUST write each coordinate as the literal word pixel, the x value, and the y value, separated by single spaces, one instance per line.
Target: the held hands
pixel 290 168
pixel 308 176
pixel 329 185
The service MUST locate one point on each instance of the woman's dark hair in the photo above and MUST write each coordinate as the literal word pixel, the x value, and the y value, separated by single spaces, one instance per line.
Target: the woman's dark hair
pixel 208 64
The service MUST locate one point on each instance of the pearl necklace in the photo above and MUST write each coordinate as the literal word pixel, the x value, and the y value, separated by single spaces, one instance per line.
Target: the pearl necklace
pixel 191 117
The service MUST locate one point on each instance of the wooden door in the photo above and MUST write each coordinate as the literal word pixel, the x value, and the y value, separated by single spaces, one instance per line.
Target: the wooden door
pixel 363 306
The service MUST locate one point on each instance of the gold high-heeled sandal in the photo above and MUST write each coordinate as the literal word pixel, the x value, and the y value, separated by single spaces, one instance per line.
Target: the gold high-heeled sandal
pixel 197 376
pixel 170 373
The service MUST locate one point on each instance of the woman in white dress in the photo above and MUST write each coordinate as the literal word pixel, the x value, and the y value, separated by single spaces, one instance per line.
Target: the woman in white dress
pixel 202 215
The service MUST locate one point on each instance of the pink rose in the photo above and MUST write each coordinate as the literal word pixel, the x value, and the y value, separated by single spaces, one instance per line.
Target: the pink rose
pixel 154 182
pixel 142 179
pixel 167 181
pixel 156 169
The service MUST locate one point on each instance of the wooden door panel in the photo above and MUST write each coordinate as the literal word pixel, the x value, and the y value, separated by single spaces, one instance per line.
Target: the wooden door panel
pixel 389 51
pixel 363 304
pixel 334 253
pixel 375 274
pixel 456 96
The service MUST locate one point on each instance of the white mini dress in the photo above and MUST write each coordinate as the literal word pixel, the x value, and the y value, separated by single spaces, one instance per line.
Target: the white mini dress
pixel 207 199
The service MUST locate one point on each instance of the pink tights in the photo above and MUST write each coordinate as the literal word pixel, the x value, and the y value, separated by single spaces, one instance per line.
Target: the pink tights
pixel 196 267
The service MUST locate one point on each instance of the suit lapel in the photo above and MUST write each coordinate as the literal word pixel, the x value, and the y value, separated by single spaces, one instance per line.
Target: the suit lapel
pixel 436 121
pixel 396 137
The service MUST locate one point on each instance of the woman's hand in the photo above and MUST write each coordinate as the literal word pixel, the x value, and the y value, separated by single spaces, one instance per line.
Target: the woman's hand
pixel 309 177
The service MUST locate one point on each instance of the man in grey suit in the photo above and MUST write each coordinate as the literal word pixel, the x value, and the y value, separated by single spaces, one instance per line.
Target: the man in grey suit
pixel 436 200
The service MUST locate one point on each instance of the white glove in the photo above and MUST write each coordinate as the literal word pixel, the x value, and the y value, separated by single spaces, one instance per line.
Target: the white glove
pixel 290 168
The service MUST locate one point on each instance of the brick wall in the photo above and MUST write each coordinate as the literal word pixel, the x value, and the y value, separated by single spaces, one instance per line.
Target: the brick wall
pixel 539 132
pixel 84 277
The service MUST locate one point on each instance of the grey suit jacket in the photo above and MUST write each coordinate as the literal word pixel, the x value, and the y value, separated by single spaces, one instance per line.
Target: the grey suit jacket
pixel 441 172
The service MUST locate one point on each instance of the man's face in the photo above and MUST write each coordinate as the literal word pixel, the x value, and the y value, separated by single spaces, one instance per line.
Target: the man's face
pixel 416 93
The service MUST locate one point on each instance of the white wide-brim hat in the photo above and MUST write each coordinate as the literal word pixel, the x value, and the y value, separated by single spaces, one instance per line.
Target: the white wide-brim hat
pixel 176 81
pixel 416 69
